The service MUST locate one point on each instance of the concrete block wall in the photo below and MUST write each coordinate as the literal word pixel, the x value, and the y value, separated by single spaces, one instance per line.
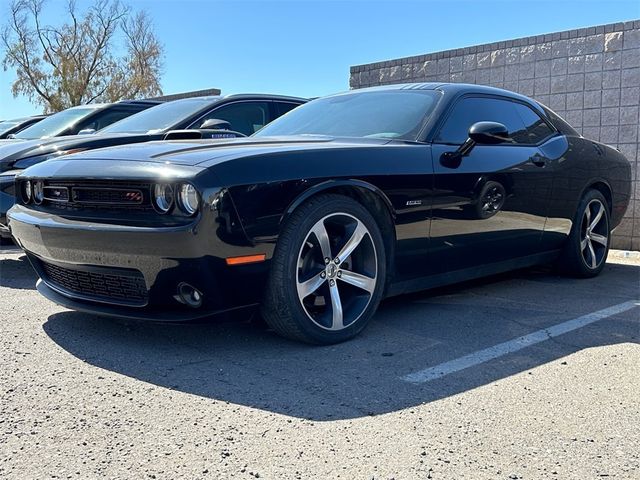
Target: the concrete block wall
pixel 589 76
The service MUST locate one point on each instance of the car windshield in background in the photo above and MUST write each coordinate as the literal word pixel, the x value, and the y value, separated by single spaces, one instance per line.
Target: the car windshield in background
pixel 386 114
pixel 56 123
pixel 158 118
pixel 8 125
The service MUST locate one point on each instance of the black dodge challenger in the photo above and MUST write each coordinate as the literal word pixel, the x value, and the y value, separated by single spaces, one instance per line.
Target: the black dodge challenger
pixel 322 213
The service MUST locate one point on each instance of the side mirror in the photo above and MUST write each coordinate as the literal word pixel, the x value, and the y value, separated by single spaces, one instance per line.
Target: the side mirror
pixel 215 124
pixel 483 133
pixel 87 131
pixel 488 133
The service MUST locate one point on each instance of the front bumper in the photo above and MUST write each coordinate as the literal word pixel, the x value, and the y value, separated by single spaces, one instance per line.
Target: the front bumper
pixel 161 258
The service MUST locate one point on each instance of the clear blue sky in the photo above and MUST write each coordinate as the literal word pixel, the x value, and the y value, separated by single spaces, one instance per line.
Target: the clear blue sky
pixel 305 47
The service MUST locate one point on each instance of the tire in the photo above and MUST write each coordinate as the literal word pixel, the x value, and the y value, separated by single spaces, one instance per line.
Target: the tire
pixel 587 247
pixel 311 294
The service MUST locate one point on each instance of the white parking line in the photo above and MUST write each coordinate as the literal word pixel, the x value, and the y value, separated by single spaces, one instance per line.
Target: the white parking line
pixel 501 349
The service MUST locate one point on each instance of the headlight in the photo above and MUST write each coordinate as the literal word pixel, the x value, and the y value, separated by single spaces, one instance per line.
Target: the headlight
pixel 38 192
pixel 188 198
pixel 26 191
pixel 163 197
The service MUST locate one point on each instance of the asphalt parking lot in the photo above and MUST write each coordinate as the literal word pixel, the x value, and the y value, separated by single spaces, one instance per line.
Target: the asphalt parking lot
pixel 527 375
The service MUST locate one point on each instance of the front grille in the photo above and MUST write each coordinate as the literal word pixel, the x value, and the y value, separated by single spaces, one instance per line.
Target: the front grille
pixel 124 287
pixel 98 195
pixel 56 194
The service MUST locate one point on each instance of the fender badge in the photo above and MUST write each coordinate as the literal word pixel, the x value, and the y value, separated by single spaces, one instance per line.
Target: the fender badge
pixel 414 202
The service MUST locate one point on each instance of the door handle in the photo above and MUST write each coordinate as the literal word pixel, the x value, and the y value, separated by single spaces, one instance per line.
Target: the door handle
pixel 538 160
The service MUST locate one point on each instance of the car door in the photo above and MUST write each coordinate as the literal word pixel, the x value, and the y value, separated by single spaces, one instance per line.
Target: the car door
pixel 491 206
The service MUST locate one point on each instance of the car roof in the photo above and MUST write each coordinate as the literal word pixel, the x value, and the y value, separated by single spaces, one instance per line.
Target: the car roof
pixel 267 96
pixel 98 106
pixel 211 99
pixel 450 88
pixel 23 119
pixel 400 86
pixel 140 102
pixel 95 106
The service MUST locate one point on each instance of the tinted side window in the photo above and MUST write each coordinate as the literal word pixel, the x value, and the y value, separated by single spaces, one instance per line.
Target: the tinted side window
pixel 104 119
pixel 284 107
pixel 244 117
pixel 477 109
pixel 536 129
pixel 559 122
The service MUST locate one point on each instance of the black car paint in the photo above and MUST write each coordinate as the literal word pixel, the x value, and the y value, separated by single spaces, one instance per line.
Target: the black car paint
pixel 420 204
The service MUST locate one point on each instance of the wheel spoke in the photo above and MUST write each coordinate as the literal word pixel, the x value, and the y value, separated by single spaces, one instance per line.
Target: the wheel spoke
pixel 583 244
pixel 307 287
pixel 320 231
pixel 592 252
pixel 336 308
pixel 361 281
pixel 587 215
pixel 344 241
pixel 353 242
pixel 601 239
pixel 597 218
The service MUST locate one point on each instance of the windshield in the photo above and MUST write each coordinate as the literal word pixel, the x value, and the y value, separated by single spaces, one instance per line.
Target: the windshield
pixel 8 125
pixel 161 117
pixel 56 123
pixel 374 114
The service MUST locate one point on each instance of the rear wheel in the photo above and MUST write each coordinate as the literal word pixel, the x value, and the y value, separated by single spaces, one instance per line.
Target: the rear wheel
pixel 328 271
pixel 588 244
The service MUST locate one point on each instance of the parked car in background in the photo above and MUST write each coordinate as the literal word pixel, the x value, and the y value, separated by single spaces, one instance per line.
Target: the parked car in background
pixel 323 212
pixel 83 118
pixel 178 119
pixel 11 127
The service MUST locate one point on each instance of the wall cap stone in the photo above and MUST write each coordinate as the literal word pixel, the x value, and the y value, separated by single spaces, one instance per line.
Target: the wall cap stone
pixel 517 42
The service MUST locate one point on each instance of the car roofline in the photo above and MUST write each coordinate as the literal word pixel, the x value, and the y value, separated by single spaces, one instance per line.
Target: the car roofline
pixel 266 96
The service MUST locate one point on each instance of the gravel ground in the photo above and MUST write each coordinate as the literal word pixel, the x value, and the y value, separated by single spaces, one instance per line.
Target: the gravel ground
pixel 87 397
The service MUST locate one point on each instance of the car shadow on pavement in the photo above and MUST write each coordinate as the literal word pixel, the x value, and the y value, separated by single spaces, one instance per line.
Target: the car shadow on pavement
pixel 17 273
pixel 247 365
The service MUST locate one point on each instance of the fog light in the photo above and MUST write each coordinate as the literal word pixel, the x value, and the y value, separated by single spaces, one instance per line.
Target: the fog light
pixel 188 198
pixel 163 197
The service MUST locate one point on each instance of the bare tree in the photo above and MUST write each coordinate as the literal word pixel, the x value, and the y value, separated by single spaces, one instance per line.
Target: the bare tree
pixel 77 62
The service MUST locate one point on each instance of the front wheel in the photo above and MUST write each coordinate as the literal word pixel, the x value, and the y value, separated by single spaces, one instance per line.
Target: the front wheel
pixel 588 244
pixel 328 272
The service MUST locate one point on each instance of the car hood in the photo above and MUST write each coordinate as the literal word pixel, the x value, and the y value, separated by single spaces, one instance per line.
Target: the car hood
pixel 210 152
pixel 12 152
pixel 186 159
